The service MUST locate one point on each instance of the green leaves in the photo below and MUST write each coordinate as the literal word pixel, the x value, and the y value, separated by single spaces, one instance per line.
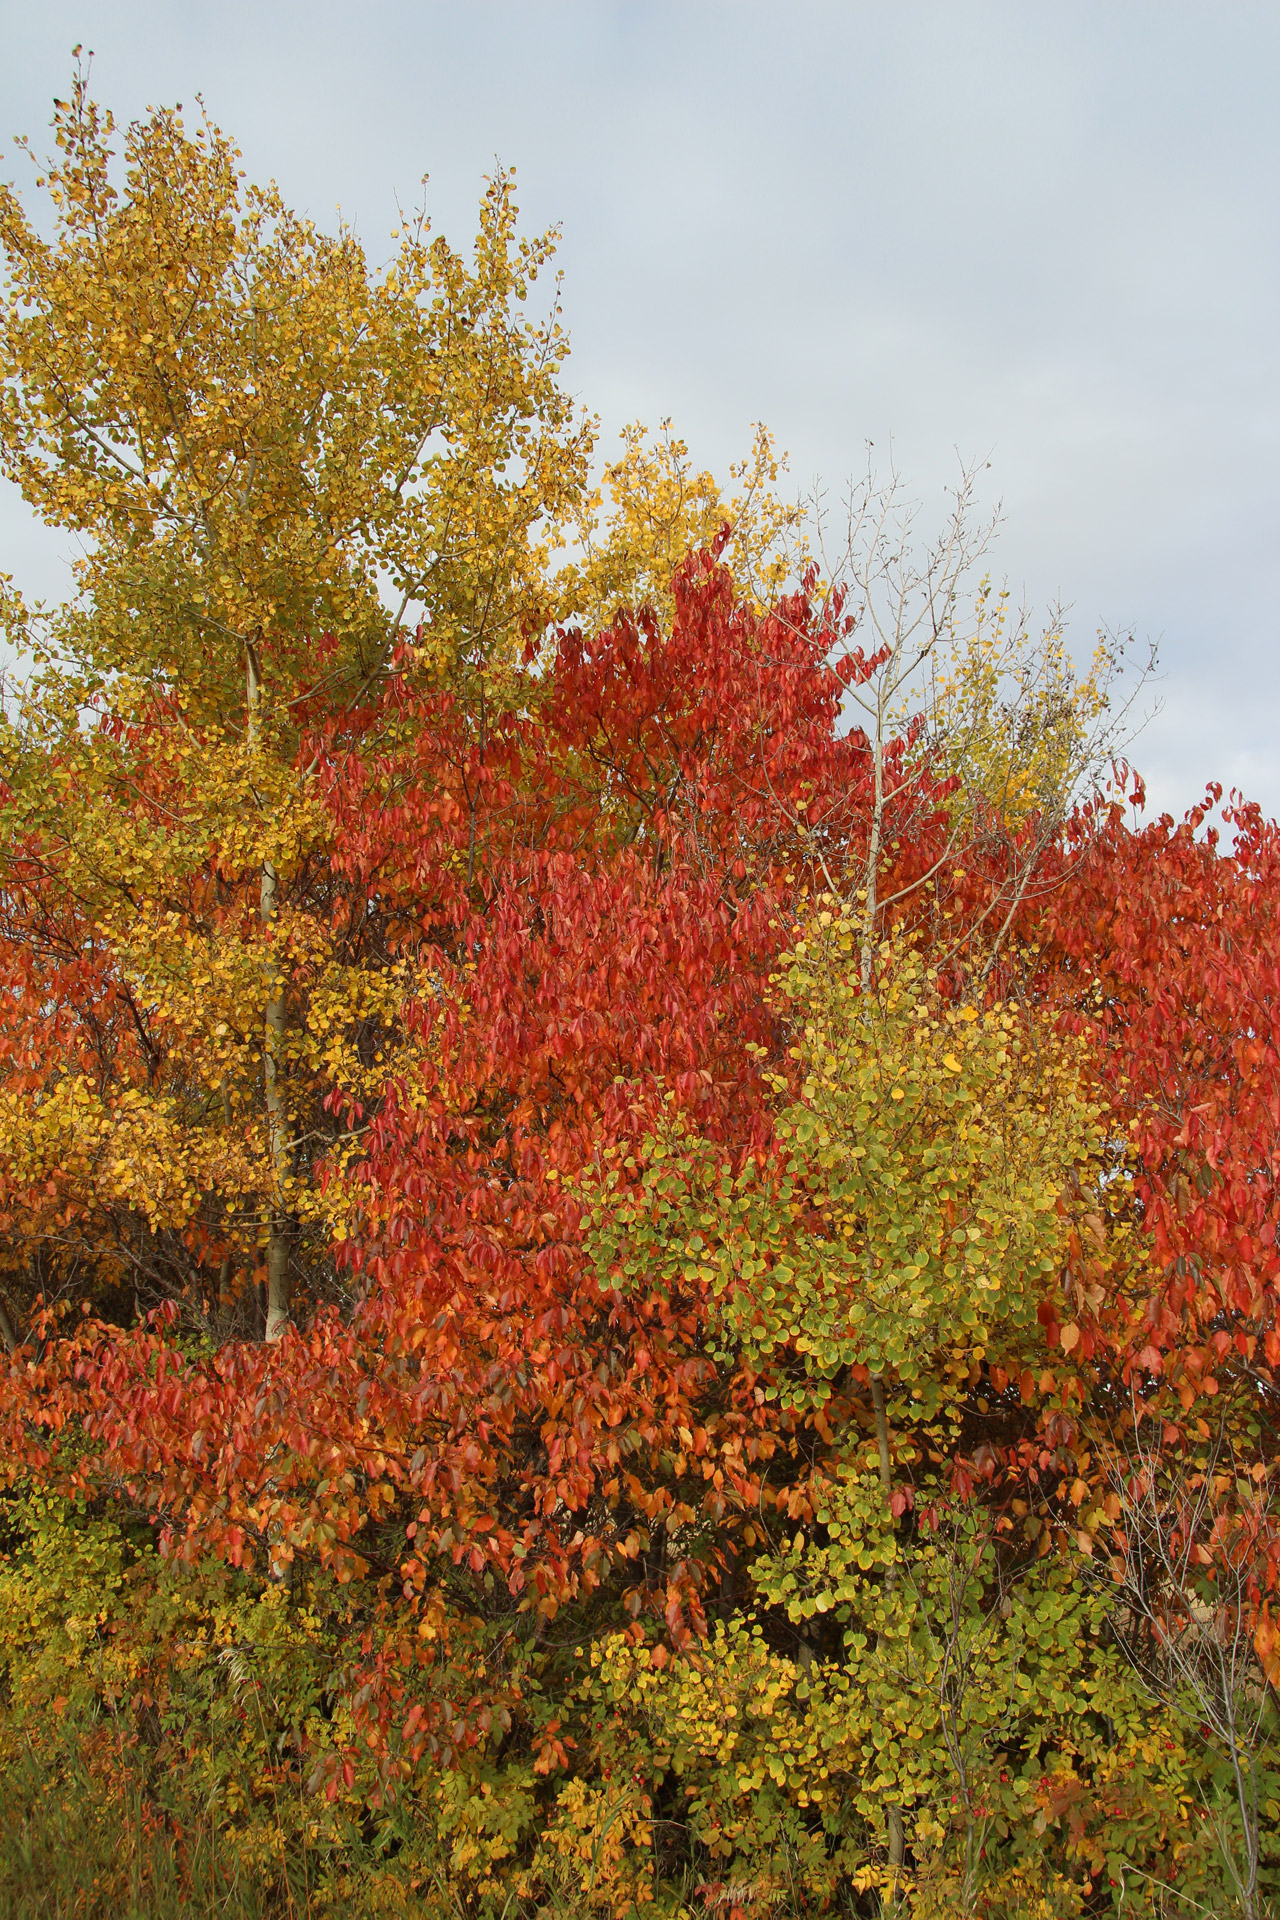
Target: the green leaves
pixel 914 1198
pixel 934 1136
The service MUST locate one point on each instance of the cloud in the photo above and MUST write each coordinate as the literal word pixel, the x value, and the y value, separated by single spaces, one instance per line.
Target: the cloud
pixel 1044 235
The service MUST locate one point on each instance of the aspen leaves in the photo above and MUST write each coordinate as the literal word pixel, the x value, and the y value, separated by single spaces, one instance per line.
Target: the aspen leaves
pixel 932 1136
pixel 914 1198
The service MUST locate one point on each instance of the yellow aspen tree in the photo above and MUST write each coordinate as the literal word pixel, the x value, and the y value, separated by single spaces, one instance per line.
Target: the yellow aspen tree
pixel 279 462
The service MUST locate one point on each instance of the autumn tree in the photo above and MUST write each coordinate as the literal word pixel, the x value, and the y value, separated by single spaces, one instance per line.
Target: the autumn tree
pixel 297 481
pixel 725 1115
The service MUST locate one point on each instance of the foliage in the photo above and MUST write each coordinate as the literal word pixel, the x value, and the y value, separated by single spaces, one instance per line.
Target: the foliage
pixel 659 510
pixel 1015 716
pixel 620 1297
pixel 918 1196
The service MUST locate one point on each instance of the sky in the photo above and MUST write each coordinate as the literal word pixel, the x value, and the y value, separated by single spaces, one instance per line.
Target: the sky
pixel 1042 238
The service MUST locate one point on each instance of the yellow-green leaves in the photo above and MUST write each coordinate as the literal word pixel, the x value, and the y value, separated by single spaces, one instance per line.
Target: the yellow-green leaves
pixel 256 433
pixel 934 1138
pixel 963 1693
pixel 676 1217
pixel 1016 721
pixel 915 1200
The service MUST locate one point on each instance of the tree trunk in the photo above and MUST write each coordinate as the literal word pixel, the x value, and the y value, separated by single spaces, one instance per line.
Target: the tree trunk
pixel 893 1815
pixel 273 1045
pixel 273 1052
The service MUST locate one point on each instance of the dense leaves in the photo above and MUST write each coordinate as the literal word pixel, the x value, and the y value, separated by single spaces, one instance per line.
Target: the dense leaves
pixel 620 1295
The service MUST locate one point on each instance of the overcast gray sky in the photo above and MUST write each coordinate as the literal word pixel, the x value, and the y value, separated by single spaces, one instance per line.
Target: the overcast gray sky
pixel 1043 235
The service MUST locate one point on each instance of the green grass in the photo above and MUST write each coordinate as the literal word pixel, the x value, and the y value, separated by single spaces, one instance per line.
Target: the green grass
pixel 77 1846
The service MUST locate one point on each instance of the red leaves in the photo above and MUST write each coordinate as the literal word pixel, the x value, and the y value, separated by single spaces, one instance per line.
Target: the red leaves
pixel 588 894
pixel 1189 985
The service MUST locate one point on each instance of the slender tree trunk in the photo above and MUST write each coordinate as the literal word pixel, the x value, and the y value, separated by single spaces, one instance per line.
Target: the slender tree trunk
pixel 273 1053
pixel 871 873
pixel 273 1048
pixel 893 1814
pixel 875 840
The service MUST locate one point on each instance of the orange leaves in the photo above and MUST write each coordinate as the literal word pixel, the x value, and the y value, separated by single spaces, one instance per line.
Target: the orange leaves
pixel 521 942
pixel 1190 985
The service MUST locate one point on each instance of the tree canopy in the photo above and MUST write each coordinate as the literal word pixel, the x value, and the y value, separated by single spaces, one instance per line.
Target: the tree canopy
pixel 637 1214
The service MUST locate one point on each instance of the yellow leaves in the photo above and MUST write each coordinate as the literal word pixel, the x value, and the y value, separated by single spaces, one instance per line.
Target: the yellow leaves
pixel 253 427
pixel 158 862
pixel 653 508
pixel 596 1845
pixel 938 1139
pixel 1014 718
pixel 134 1150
